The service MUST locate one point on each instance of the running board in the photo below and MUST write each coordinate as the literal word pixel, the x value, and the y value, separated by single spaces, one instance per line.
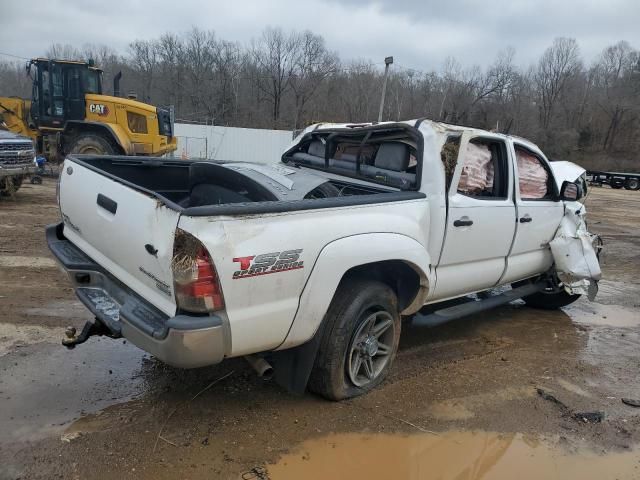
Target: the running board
pixel 458 311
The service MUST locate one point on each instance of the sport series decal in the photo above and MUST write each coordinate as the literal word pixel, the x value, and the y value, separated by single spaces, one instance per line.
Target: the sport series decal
pixel 266 263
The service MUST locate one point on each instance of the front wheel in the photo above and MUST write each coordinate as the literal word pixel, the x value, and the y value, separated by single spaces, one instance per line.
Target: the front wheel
pixel 10 185
pixel 359 342
pixel 550 300
pixel 92 144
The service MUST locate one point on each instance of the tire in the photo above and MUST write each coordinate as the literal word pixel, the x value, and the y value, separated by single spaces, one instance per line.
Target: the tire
pixel 632 184
pixel 616 183
pixel 324 190
pixel 8 190
pixel 91 144
pixel 348 345
pixel 550 301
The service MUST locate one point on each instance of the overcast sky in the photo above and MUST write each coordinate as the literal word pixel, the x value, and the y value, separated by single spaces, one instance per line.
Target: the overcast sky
pixel 418 33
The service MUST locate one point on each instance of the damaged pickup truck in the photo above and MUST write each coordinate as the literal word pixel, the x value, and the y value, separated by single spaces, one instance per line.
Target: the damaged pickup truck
pixel 308 267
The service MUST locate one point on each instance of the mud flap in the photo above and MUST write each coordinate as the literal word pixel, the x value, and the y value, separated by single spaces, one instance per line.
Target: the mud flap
pixel 575 253
pixel 292 367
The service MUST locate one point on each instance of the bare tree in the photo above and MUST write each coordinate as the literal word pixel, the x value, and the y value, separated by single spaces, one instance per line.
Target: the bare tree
pixel 558 64
pixel 590 115
pixel 145 61
pixel 275 55
pixel 313 64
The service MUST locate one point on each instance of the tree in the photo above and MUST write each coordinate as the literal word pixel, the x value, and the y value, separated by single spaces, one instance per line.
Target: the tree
pixel 313 65
pixel 558 64
pixel 144 63
pixel 276 55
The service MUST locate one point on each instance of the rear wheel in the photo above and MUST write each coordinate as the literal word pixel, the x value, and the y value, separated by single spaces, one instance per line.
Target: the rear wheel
pixel 360 340
pixel 91 144
pixel 632 184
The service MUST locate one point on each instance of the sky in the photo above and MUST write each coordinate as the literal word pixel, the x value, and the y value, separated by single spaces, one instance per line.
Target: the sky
pixel 420 34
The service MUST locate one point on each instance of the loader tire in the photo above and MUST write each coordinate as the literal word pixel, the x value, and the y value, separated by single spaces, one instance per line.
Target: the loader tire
pixel 359 342
pixel 91 144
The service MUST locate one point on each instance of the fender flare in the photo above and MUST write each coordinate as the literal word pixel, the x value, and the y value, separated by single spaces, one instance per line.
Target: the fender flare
pixel 340 256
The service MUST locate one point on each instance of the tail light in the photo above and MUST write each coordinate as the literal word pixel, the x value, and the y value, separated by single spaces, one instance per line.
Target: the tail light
pixel 195 280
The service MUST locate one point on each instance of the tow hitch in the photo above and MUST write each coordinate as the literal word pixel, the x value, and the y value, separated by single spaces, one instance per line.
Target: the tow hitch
pixel 90 329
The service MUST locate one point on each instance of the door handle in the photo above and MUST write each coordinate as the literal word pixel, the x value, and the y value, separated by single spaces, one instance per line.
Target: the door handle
pixel 525 219
pixel 106 203
pixel 463 222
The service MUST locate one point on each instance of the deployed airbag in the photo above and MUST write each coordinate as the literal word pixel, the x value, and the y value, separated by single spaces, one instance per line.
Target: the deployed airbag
pixel 533 176
pixel 477 173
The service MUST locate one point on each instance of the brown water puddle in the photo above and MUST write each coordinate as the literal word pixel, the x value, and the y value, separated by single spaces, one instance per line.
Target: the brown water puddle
pixel 450 456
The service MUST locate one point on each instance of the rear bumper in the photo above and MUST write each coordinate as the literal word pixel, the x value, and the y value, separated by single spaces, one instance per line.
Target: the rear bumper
pixel 182 341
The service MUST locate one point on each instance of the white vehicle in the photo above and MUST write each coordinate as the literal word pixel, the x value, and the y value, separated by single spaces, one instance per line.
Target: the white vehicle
pixel 308 266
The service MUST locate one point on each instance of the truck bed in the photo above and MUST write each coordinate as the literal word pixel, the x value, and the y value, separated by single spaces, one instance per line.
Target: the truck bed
pixel 236 189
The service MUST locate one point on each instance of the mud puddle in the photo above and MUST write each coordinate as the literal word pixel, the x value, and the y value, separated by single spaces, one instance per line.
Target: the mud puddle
pixel 44 386
pixel 451 455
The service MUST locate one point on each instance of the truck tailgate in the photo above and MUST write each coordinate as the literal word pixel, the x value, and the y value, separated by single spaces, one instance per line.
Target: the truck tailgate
pixel 126 231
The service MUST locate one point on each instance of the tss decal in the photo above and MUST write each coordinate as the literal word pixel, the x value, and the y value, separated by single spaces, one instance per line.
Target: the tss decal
pixel 275 262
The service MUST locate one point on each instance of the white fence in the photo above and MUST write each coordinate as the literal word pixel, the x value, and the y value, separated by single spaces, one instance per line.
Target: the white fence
pixel 231 143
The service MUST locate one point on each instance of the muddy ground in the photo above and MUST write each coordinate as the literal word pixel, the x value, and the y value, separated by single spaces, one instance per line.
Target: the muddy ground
pixel 463 397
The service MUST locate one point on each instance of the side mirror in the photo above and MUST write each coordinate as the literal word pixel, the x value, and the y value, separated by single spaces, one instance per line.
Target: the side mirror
pixel 569 191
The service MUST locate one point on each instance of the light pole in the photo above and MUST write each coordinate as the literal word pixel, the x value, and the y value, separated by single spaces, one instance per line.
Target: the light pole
pixel 387 61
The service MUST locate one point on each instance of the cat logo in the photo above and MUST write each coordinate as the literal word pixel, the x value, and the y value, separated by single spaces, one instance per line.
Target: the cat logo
pixel 100 109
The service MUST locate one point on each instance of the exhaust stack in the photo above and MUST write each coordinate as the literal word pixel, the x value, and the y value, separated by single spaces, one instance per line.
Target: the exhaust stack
pixel 116 84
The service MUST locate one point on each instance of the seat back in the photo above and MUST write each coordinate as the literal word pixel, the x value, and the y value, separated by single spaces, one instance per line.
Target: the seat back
pixel 390 165
pixel 392 156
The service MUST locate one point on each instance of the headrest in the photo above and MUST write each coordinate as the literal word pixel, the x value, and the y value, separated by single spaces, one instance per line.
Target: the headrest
pixel 316 148
pixel 393 156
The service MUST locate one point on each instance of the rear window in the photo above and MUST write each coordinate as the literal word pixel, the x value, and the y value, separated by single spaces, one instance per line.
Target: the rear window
pixel 386 156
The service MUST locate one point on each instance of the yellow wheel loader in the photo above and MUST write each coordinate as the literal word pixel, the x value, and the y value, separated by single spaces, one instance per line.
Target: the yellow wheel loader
pixel 68 113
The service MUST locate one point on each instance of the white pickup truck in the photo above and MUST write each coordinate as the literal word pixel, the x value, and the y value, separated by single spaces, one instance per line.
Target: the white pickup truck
pixel 309 266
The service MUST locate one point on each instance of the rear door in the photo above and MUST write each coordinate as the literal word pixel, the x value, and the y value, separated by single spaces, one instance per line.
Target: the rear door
pixel 480 220
pixel 539 211
pixel 126 231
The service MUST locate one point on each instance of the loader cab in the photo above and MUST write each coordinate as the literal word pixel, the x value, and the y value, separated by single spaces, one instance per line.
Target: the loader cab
pixel 59 89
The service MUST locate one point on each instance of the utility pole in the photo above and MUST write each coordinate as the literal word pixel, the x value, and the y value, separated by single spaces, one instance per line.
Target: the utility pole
pixel 387 61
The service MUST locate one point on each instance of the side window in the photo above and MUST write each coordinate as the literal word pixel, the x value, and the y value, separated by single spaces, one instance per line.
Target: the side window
pixel 57 94
pixel 484 171
pixel 73 84
pixel 534 179
pixel 46 94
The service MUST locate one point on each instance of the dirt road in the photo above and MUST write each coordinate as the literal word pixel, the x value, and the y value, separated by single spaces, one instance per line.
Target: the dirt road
pixel 479 396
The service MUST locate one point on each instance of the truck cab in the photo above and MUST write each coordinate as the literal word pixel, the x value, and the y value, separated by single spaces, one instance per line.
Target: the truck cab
pixel 59 89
